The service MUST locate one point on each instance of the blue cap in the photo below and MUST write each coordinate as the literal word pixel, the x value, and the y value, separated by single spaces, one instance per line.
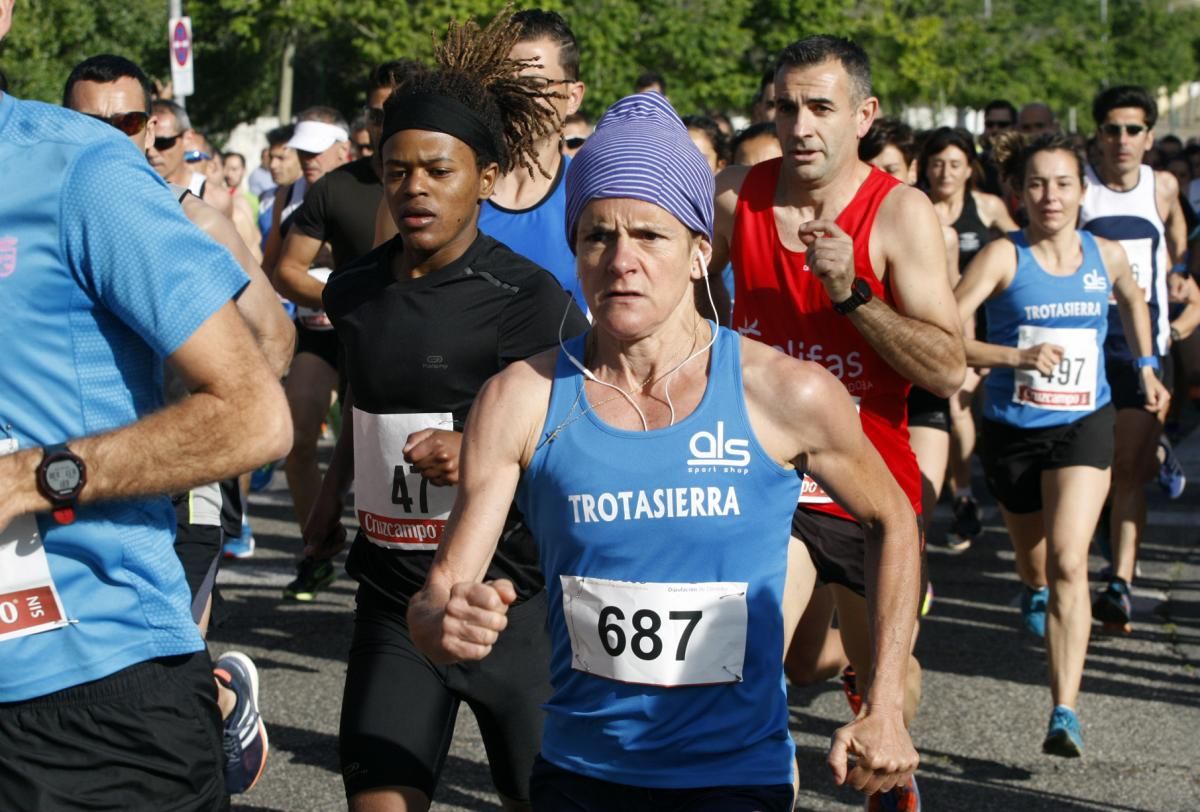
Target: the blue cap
pixel 642 150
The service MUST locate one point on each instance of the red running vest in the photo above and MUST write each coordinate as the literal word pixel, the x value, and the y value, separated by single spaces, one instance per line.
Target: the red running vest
pixel 779 302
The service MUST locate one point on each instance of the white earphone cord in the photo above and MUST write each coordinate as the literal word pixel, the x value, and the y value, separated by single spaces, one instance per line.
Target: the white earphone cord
pixel 587 373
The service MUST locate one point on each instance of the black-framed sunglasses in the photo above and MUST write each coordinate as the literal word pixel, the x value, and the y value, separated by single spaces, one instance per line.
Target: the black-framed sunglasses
pixel 1114 130
pixel 575 141
pixel 129 123
pixel 165 142
pixel 1002 122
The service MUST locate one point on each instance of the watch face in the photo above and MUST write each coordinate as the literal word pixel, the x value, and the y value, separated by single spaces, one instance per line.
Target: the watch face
pixel 62 476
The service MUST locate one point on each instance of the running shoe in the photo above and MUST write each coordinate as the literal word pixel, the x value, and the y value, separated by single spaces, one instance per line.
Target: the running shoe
pixel 245 735
pixel 850 689
pixel 312 575
pixel 1033 609
pixel 261 478
pixel 1170 473
pixel 904 798
pixel 1064 737
pixel 927 599
pixel 1112 606
pixel 241 546
pixel 966 525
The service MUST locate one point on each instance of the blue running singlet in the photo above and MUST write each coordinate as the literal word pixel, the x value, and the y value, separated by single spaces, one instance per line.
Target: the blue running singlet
pixel 665 554
pixel 1036 308
pixel 537 233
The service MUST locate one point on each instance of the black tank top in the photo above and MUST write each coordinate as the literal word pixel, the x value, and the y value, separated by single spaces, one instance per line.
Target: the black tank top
pixel 972 233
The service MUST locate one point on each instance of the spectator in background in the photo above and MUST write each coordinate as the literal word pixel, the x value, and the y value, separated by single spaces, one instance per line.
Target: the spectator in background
pixel 1169 146
pixel 755 144
pixel 360 136
pixel 234 164
pixel 1036 118
pixel 283 165
pixel 999 115
pixel 649 81
pixel 763 110
pixel 259 182
pixel 166 155
pixel 709 139
pixel 576 130
pixel 723 122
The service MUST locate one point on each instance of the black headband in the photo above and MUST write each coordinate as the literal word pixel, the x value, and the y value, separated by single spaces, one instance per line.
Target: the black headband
pixel 431 111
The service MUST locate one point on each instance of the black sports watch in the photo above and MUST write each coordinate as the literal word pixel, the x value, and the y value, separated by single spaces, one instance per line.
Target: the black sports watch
pixel 61 476
pixel 860 294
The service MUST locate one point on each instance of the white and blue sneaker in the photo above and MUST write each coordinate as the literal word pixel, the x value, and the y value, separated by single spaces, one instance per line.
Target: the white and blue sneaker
pixel 245 736
pixel 240 546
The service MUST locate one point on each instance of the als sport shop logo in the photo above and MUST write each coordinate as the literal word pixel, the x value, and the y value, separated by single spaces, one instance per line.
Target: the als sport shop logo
pixel 1094 280
pixel 713 452
pixel 8 256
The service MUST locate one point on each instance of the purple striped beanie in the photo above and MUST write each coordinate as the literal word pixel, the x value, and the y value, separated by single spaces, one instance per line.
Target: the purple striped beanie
pixel 642 150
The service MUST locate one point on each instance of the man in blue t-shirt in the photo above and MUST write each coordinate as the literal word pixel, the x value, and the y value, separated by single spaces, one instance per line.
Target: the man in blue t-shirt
pixel 106 693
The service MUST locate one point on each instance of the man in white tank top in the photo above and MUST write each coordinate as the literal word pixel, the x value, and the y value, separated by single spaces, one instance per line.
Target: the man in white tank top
pixel 1130 202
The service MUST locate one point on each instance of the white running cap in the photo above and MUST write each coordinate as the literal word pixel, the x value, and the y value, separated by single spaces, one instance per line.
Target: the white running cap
pixel 316 136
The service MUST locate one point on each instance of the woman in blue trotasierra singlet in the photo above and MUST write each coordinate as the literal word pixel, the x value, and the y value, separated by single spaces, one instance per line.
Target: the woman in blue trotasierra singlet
pixel 654 461
pixel 1047 437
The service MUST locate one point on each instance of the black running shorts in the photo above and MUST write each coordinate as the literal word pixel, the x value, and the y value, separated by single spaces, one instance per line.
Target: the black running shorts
pixel 145 739
pixel 398 708
pixel 558 790
pixel 839 549
pixel 927 410
pixel 199 549
pixel 322 343
pixel 1014 458
pixel 1126 382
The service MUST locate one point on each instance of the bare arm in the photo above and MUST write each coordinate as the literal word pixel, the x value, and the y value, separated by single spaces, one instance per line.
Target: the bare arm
pixel 291 278
pixel 728 186
pixel 455 616
pixel 272 330
pixel 990 272
pixel 995 213
pixel 828 443
pixel 247 227
pixel 235 420
pixel 1167 192
pixel 274 238
pixel 922 338
pixel 1188 292
pixel 1135 318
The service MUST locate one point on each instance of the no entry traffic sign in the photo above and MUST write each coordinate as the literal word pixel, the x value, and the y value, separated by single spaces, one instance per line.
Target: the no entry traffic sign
pixel 180 33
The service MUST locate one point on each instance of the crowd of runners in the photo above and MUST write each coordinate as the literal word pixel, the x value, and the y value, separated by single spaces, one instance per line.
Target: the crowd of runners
pixel 640 420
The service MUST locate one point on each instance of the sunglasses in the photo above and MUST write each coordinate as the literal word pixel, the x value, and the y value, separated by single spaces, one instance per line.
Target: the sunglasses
pixel 574 142
pixel 1114 130
pixel 1003 122
pixel 165 142
pixel 195 156
pixel 128 123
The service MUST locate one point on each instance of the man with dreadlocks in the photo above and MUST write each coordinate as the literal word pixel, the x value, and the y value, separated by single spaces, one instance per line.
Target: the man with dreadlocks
pixel 425 319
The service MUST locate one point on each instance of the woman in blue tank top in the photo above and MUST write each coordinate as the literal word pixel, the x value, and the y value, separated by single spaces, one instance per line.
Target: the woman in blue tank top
pixel 1047 431
pixel 654 460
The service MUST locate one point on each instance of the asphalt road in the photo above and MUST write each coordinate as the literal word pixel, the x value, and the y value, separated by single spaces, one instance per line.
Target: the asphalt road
pixel 981 722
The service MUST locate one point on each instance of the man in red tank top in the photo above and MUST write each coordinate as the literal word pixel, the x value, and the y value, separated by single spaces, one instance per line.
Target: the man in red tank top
pixel 839 264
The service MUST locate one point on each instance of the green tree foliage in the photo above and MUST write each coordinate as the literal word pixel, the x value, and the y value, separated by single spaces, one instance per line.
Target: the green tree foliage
pixel 49 37
pixel 712 52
